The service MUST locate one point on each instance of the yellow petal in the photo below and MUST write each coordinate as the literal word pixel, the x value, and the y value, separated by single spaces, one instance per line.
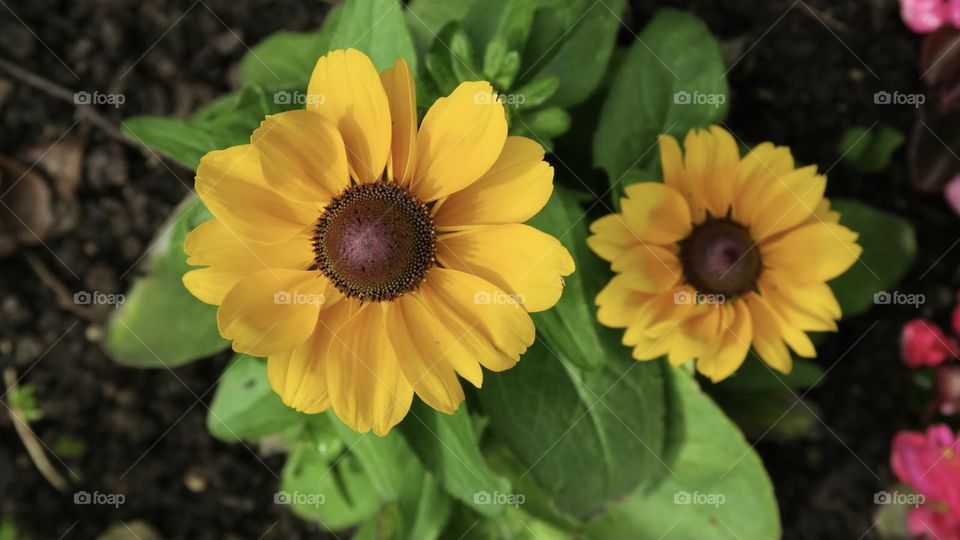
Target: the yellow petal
pixel 760 170
pixel 472 349
pixel 697 336
pixel 302 155
pixel 517 186
pixel 423 345
pixel 611 237
pixel 230 182
pixel 459 140
pixel 790 202
pixel 808 306
pixel 505 325
pixel 649 268
pixel 232 258
pixel 656 213
pixel 272 311
pixel 401 92
pixel 346 90
pixel 734 345
pixel 671 160
pixel 524 262
pixel 366 386
pixel 299 376
pixel 723 162
pixel 767 342
pixel 815 252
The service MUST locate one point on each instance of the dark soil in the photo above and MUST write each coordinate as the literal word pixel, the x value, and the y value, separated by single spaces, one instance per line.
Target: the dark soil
pixel 801 83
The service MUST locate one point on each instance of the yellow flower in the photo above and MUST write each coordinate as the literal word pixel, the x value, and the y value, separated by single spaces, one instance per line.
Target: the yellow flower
pixel 369 261
pixel 726 253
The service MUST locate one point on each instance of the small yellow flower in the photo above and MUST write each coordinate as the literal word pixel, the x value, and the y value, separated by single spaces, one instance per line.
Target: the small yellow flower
pixel 369 261
pixel 726 253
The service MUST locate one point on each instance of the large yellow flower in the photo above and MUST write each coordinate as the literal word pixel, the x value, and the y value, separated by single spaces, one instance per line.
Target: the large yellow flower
pixel 726 253
pixel 369 261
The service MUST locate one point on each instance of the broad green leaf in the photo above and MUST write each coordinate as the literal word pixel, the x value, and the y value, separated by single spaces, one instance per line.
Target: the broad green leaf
pixel 672 80
pixel 718 489
pixel 286 59
pixel 244 406
pixel 449 446
pixel 161 324
pixel 426 18
pixel 422 513
pixel 570 327
pixel 505 21
pixel 580 56
pixel 378 28
pixel 387 460
pixel 889 247
pixel 588 436
pixel 337 493
pixel 227 121
pixel 514 524
pixel 870 150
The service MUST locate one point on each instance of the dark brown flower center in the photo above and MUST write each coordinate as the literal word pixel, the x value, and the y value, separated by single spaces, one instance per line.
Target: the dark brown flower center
pixel 720 258
pixel 375 242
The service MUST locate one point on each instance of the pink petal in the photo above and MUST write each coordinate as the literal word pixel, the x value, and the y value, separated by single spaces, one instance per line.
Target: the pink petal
pixel 952 193
pixel 955 318
pixel 954 11
pixel 922 343
pixel 924 16
pixel 933 524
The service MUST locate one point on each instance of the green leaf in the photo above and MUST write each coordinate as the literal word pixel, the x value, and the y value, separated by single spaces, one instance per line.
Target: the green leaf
pixel 515 524
pixel 161 324
pixel 588 437
pixel 228 121
pixel 869 151
pixel 426 18
pixel 715 465
pixel 505 21
pixel 579 56
pixel 449 446
pixel 378 28
pixel 889 247
pixel 244 406
pixel 286 59
pixel 570 327
pixel 335 492
pixel 671 80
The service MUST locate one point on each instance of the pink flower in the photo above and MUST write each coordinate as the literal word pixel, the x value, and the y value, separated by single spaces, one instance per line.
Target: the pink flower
pixel 922 343
pixel 925 16
pixel 928 463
